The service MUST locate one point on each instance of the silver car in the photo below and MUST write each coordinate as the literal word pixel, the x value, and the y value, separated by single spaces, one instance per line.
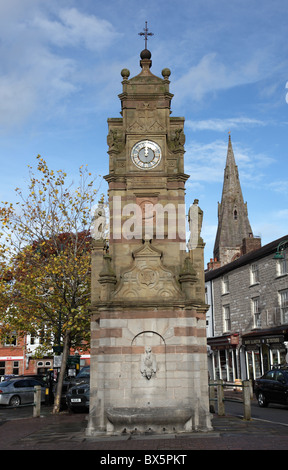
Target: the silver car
pixel 16 392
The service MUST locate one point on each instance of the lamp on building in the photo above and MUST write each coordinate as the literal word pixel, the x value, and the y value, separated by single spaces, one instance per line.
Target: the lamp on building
pixel 280 248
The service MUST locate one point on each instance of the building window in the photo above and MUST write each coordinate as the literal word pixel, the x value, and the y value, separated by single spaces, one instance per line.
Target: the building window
pixel 227 319
pixel 225 284
pixel 254 273
pixel 32 340
pixel 256 313
pixel 206 295
pixel 15 368
pixel 281 266
pixel 11 340
pixel 284 306
pixel 2 368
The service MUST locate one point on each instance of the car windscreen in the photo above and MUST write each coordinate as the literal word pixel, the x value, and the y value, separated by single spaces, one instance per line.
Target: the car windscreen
pixel 285 373
pixel 5 384
pixel 84 373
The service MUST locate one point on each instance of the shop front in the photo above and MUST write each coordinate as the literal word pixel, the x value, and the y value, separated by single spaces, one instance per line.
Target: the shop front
pixel 223 358
pixel 264 349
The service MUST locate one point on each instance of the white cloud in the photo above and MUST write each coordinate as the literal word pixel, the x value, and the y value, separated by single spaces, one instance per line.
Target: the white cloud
pixel 216 72
pixel 280 186
pixel 17 101
pixel 206 162
pixel 73 28
pixel 35 86
pixel 222 125
pixel 211 75
pixel 36 76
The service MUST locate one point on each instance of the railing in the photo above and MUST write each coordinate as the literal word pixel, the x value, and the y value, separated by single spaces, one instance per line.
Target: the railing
pixel 218 387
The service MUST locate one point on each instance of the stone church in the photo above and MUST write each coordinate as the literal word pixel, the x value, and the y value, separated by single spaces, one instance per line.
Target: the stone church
pixel 148 328
pixel 234 236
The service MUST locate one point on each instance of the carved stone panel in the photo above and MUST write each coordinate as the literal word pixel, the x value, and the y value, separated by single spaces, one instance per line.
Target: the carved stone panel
pixel 147 279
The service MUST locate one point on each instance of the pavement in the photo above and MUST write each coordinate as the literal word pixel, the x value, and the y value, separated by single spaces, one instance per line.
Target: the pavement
pixel 66 431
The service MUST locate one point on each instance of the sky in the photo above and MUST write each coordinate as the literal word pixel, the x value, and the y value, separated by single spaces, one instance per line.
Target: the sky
pixel 60 76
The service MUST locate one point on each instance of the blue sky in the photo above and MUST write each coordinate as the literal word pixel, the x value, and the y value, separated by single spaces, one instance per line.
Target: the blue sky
pixel 60 79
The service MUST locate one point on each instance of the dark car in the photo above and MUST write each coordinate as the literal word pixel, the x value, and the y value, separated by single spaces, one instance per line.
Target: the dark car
pixel 69 382
pixel 272 387
pixel 78 397
pixel 83 376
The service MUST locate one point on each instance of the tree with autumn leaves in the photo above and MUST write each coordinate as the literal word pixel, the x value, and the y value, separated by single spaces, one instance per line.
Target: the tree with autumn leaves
pixel 45 251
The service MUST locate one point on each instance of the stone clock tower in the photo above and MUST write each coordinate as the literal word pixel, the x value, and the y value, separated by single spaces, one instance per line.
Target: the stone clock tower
pixel 148 325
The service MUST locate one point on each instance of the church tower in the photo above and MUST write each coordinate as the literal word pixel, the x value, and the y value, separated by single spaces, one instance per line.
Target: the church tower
pixel 234 234
pixel 148 325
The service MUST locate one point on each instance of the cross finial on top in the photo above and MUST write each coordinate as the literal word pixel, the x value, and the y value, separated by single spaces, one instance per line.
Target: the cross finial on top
pixel 146 34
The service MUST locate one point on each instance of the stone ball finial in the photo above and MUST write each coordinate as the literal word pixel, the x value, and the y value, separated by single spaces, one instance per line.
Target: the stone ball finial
pixel 125 73
pixel 145 54
pixel 166 73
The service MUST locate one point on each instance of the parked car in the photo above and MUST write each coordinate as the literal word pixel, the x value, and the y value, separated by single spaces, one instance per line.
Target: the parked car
pixel 40 378
pixel 272 387
pixel 82 377
pixel 78 397
pixel 15 392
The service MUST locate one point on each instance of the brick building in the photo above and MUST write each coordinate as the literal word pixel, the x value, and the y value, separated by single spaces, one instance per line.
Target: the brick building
pixel 11 357
pixel 17 357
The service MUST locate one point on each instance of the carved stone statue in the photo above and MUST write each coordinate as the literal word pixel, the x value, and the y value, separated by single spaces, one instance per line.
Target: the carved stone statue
pixel 177 140
pixel 115 140
pixel 195 219
pixel 99 223
pixel 148 363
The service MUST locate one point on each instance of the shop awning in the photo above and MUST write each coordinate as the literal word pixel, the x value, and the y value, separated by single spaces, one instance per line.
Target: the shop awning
pixel 271 336
pixel 224 341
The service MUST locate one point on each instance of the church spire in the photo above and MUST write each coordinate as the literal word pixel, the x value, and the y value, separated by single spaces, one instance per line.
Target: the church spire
pixel 231 185
pixel 233 223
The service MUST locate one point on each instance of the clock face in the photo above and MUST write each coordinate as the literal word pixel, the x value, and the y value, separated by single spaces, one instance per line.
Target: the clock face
pixel 146 154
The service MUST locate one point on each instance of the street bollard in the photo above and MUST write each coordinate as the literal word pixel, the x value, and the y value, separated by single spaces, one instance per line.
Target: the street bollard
pixel 220 398
pixel 212 398
pixel 247 400
pixel 37 401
